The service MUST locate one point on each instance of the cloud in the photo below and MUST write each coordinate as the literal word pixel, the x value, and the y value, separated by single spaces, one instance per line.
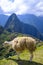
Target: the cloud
pixel 39 6
pixel 22 6
pixel 12 0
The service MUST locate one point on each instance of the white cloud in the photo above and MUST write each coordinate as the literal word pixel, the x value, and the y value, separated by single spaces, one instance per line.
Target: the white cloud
pixel 22 6
pixel 17 6
pixel 39 6
pixel 6 5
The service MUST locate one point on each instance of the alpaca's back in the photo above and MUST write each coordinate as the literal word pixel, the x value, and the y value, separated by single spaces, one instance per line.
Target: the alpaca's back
pixel 21 43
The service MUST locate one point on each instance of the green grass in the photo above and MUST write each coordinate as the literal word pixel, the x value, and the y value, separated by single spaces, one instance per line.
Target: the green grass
pixel 37 59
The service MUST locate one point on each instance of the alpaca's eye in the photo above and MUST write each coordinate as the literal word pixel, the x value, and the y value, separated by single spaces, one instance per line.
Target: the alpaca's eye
pixel 16 41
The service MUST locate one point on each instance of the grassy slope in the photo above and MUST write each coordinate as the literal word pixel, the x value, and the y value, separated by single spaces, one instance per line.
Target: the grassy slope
pixel 37 60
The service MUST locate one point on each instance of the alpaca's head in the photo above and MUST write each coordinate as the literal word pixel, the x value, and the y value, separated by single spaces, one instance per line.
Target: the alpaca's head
pixel 6 44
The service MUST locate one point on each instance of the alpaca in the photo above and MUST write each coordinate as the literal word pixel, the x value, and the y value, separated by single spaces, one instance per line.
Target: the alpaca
pixel 21 43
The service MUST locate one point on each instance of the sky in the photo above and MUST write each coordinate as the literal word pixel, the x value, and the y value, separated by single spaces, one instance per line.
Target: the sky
pixel 20 7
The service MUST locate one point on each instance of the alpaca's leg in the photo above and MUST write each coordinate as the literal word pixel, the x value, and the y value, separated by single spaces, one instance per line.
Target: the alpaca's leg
pixel 31 57
pixel 18 55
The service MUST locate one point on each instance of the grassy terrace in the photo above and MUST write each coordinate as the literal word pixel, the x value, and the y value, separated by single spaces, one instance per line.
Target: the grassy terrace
pixel 37 59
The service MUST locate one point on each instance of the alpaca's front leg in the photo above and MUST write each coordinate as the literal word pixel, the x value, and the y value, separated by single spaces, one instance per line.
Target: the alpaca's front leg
pixel 18 55
pixel 31 57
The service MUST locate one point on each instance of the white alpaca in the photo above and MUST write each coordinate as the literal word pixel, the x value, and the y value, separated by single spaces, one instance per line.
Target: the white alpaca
pixel 21 43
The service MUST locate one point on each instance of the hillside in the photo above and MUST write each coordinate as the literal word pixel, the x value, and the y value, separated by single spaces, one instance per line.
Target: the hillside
pixel 1 29
pixel 9 57
pixel 5 35
pixel 37 59
pixel 15 25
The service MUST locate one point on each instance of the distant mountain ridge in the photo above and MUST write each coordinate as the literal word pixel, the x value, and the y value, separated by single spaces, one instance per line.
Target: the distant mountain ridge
pixel 36 21
pixel 32 20
pixel 3 19
pixel 15 25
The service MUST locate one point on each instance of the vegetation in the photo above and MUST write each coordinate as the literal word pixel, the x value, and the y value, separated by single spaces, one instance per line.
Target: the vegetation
pixel 7 36
pixel 37 60
pixel 8 57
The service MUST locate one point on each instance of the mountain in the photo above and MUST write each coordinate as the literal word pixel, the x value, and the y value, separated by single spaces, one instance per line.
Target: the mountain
pixel 3 19
pixel 15 25
pixel 32 20
pixel 36 21
pixel 1 29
